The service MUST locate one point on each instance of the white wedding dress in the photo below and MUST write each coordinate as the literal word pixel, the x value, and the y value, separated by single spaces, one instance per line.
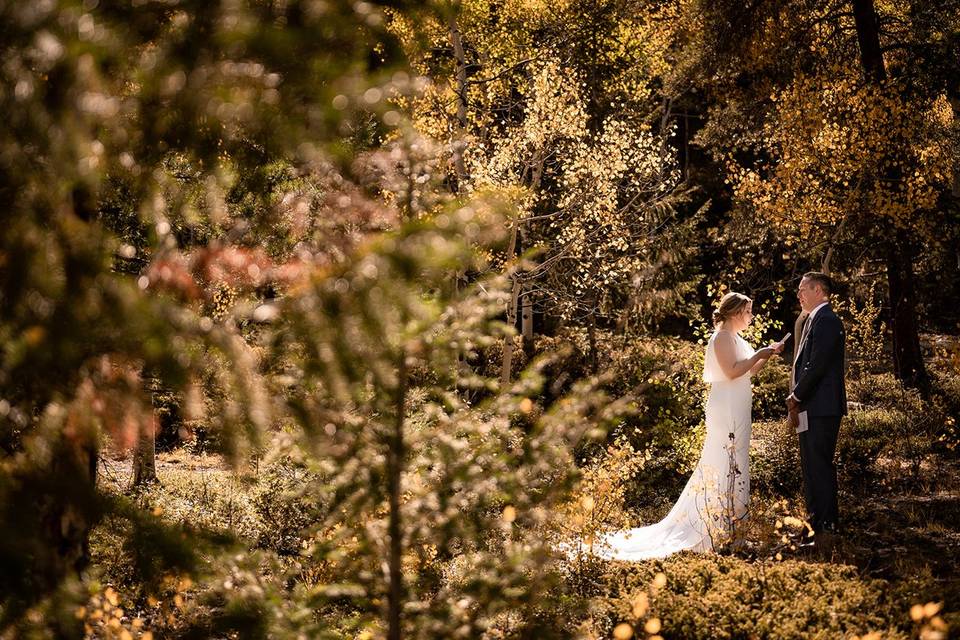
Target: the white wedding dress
pixel 716 497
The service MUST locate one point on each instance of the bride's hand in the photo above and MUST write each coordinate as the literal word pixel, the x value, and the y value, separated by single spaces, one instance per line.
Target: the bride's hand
pixel 767 352
pixel 777 347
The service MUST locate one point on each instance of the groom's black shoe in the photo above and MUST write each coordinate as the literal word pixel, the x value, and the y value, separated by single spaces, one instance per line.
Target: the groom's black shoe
pixel 807 544
pixel 831 528
pixel 822 538
pixel 829 537
pixel 823 541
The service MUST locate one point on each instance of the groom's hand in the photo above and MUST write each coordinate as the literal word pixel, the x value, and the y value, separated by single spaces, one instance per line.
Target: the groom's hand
pixel 793 419
pixel 793 412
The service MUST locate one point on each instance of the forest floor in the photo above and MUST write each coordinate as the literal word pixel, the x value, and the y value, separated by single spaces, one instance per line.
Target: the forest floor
pixel 901 528
pixel 907 528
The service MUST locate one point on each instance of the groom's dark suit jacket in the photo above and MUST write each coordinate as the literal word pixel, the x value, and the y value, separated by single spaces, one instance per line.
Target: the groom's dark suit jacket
pixel 819 384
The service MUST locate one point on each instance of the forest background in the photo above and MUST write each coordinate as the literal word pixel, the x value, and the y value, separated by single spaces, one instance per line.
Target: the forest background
pixel 334 319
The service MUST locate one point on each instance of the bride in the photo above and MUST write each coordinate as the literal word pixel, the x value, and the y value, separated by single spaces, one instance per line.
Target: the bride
pixel 716 497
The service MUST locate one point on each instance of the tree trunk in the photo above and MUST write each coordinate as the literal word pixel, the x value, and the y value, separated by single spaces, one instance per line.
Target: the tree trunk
pixel 592 337
pixel 69 522
pixel 144 456
pixel 395 456
pixel 825 265
pixel 507 365
pixel 526 323
pixel 908 363
pixel 955 104
pixel 868 37
pixel 456 41
pixel 955 187
pixel 536 172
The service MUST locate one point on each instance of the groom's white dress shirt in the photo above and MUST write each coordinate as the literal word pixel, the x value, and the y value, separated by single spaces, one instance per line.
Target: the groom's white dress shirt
pixel 804 423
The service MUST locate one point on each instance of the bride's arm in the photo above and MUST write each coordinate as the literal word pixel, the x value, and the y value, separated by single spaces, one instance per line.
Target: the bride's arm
pixel 726 347
pixel 759 365
pixel 775 347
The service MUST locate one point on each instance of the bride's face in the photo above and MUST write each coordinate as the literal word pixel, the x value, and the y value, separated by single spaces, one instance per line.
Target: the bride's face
pixel 745 317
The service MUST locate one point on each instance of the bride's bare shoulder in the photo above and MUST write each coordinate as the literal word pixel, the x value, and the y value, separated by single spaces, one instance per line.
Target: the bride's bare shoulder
pixel 724 342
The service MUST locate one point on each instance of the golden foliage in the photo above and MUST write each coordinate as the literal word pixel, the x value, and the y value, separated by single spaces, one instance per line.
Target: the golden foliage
pixel 837 147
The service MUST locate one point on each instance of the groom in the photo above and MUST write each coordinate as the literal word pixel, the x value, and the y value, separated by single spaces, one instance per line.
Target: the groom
pixel 818 399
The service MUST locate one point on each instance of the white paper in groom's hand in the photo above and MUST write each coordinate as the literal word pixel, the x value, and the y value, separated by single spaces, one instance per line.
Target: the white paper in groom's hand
pixel 802 423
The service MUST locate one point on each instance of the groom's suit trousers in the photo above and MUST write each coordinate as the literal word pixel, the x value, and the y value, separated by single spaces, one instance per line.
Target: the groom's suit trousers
pixel 817 447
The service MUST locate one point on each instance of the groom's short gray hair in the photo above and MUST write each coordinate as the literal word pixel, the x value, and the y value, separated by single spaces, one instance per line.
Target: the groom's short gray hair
pixel 823 280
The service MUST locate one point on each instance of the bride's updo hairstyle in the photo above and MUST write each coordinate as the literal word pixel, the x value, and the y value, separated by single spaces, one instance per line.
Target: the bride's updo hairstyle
pixel 730 305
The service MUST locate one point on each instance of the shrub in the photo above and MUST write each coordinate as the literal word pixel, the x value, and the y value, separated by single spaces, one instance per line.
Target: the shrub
pixel 570 362
pixel 663 373
pixel 890 419
pixel 662 376
pixel 167 407
pixel 865 331
pixel 285 510
pixel 770 387
pixel 598 505
pixel 864 436
pixel 945 388
pixel 882 390
pixel 775 460
pixel 665 376
pixel 710 597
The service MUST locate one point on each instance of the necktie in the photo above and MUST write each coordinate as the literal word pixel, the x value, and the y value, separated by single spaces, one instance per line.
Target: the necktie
pixel 803 422
pixel 799 347
pixel 803 338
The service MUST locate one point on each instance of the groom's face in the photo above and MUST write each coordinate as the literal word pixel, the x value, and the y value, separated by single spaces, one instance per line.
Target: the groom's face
pixel 809 294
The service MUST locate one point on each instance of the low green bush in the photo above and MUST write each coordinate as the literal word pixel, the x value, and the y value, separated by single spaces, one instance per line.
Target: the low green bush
pixel 268 510
pixel 285 511
pixel 665 375
pixel 167 407
pixel 889 420
pixel 882 390
pixel 775 460
pixel 864 436
pixel 714 597
pixel 770 386
pixel 214 500
pixel 945 384
pixel 945 389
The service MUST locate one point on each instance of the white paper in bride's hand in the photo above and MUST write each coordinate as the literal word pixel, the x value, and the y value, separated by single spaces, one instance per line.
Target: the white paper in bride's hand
pixel 802 423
